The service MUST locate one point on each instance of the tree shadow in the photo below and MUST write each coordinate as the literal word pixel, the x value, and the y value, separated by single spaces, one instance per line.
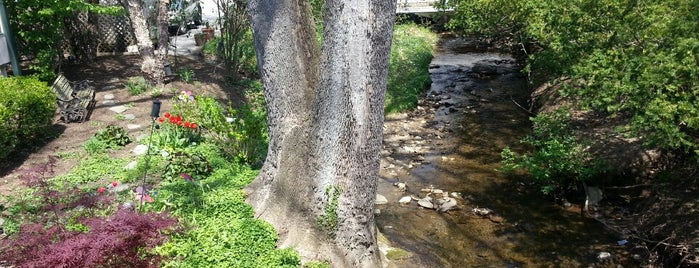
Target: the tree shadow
pixel 24 151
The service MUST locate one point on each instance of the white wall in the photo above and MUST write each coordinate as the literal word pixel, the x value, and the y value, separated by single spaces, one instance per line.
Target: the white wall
pixel 209 10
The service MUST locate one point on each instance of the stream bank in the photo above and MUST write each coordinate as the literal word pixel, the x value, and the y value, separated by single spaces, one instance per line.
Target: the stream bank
pixel 452 142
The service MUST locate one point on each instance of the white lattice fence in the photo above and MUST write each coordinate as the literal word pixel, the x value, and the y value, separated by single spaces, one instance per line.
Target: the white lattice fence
pixel 115 32
pixel 103 33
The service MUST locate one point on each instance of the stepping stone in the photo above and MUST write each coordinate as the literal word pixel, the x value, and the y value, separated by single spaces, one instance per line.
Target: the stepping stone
pixel 380 200
pixel 129 117
pixel 120 188
pixel 108 96
pixel 118 109
pixel 114 80
pixel 133 126
pixel 108 102
pixel 142 137
pixel 140 149
pixel 131 165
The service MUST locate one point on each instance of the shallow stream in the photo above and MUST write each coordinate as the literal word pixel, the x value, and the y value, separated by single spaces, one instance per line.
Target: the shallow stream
pixel 452 142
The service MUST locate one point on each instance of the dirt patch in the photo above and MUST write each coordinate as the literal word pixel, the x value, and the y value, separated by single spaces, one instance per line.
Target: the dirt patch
pixel 108 74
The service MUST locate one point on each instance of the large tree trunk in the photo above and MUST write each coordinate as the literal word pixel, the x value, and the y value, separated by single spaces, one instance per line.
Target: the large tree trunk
pixel 151 65
pixel 325 116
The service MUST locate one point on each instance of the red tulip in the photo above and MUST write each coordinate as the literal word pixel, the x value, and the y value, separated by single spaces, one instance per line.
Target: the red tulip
pixel 115 184
pixel 161 120
pixel 167 115
pixel 100 190
pixel 193 125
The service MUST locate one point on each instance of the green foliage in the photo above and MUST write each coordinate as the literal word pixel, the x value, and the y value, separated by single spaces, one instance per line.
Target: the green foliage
pixel 40 27
pixel 559 160
pixel 408 75
pixel 223 231
pixel 634 58
pixel 187 75
pixel 94 168
pixel 316 264
pixel 95 146
pixel 137 85
pixel 240 133
pixel 111 137
pixel 26 109
pixel 328 221
pixel 175 133
pixel 235 46
pixel 186 162
pixel 114 136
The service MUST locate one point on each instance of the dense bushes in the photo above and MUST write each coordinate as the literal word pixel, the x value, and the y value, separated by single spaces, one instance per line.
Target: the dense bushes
pixel 634 58
pixel 27 106
pixel 560 161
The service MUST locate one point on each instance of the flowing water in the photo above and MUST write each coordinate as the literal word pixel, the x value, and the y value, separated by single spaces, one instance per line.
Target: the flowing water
pixel 452 142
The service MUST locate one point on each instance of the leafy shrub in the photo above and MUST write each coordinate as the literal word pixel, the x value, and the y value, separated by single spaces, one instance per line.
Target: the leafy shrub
pixel 26 108
pixel 192 164
pixel 187 75
pixel 558 160
pixel 237 51
pixel 408 75
pixel 120 240
pixel 240 133
pixel 137 85
pixel 114 136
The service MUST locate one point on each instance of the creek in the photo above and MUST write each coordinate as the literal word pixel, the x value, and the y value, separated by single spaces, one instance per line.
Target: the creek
pixel 452 142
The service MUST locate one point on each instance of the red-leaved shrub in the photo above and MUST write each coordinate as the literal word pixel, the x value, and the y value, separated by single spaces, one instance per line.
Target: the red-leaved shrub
pixel 120 240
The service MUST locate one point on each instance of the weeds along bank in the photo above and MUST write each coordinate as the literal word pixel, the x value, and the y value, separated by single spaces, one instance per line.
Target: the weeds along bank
pixel 190 210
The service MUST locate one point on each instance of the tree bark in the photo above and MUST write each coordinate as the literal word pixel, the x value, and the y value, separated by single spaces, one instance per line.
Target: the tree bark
pixel 151 66
pixel 325 117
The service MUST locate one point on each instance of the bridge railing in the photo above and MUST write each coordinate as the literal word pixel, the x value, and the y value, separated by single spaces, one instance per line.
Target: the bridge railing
pixel 418 6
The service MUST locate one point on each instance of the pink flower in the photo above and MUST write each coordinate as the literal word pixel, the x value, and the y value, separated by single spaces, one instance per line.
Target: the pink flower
pixel 186 177
pixel 115 184
pixel 100 190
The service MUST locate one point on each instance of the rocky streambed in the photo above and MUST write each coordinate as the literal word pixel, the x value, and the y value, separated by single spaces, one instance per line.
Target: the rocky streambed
pixel 443 204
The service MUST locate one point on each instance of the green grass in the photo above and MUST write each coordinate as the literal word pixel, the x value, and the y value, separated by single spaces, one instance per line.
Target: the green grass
pixel 408 74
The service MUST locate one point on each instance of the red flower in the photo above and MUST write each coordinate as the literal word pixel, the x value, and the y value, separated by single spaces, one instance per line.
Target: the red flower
pixel 167 115
pixel 193 125
pixel 115 184
pixel 100 190
pixel 179 118
pixel 173 120
pixel 161 120
pixel 187 124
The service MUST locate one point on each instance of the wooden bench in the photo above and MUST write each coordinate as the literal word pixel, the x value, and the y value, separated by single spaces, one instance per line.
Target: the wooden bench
pixel 75 99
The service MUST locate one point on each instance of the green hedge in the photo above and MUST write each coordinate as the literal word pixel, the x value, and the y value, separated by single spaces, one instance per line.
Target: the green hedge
pixel 27 105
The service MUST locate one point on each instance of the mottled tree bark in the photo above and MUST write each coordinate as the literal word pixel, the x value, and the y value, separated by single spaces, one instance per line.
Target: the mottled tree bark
pixel 325 116
pixel 151 65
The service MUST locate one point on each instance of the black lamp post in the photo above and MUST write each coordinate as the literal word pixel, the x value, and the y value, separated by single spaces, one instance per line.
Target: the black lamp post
pixel 154 114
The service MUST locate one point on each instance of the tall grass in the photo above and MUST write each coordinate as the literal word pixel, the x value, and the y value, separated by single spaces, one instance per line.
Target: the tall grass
pixel 408 76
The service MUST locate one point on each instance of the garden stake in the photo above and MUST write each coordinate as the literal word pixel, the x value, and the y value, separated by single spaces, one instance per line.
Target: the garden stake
pixel 154 113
